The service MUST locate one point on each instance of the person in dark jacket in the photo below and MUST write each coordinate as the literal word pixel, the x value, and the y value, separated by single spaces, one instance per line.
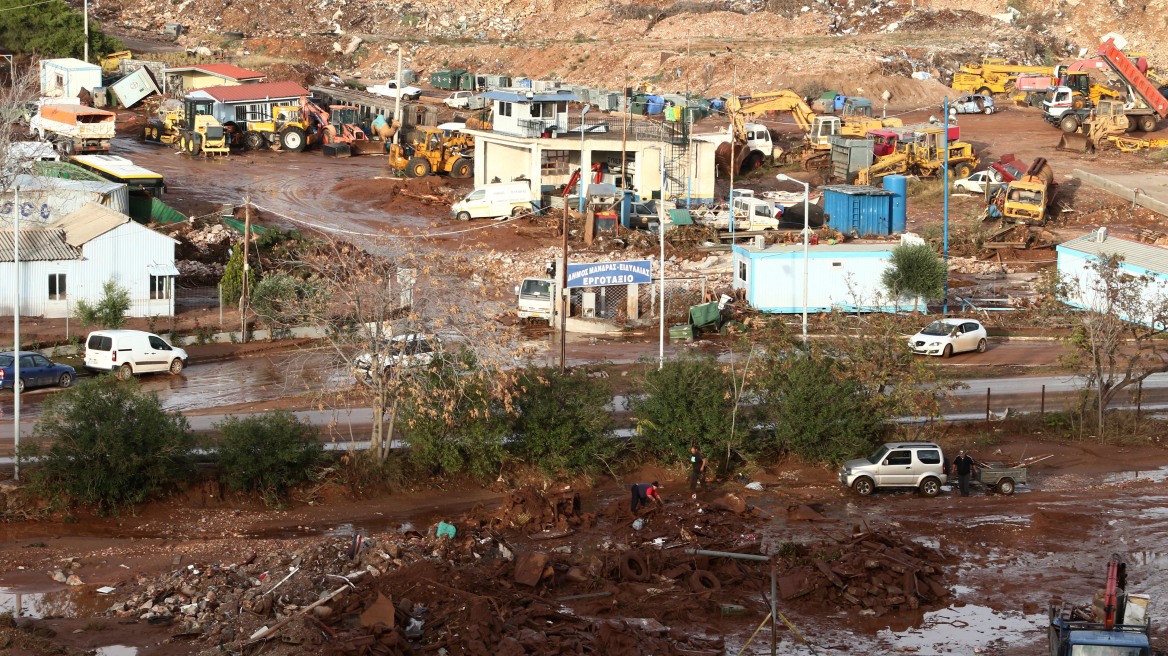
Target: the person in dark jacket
pixel 697 461
pixel 963 465
pixel 642 492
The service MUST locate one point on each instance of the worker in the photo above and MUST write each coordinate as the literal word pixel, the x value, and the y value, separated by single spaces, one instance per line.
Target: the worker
pixel 642 492
pixel 963 465
pixel 697 462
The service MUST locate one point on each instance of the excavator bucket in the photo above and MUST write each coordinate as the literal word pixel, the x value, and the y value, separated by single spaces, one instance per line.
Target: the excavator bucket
pixel 339 149
pixel 1075 143
pixel 368 147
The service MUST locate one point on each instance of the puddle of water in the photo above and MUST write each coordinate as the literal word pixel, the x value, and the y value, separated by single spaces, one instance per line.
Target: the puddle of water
pixel 1016 520
pixel 66 602
pixel 116 650
pixel 962 629
pixel 1153 476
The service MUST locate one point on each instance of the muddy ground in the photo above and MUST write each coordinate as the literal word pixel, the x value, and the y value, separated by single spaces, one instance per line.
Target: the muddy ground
pixel 997 561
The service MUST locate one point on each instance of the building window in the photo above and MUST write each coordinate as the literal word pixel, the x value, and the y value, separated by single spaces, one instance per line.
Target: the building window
pixel 160 287
pixel 56 286
pixel 536 110
pixel 504 108
pixel 742 271
pixel 241 112
pixel 554 162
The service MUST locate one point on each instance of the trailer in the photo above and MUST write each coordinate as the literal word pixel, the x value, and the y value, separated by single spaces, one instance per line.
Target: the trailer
pixel 68 77
pixel 1001 479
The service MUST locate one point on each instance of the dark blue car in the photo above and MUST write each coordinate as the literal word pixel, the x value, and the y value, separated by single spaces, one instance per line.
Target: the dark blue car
pixel 35 371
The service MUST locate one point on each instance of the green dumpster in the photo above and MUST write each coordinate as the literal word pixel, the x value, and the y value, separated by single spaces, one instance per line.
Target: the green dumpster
pixel 706 315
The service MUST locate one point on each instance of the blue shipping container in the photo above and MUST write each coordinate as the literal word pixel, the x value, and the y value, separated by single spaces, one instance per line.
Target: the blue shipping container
pixel 858 210
pixel 898 185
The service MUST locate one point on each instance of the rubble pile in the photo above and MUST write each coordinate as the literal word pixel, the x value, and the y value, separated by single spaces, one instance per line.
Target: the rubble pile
pixel 973 266
pixel 536 575
pixel 200 272
pixel 874 572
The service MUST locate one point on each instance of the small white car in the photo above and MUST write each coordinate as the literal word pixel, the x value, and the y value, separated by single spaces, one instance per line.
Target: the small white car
pixel 975 183
pixel 407 351
pixel 918 465
pixel 945 337
pixel 973 103
pixel 458 100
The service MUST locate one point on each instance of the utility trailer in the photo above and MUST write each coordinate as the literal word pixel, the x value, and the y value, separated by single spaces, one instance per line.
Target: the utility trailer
pixel 1001 479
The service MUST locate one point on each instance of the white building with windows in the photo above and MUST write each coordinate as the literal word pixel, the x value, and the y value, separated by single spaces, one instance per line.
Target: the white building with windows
pixel 249 102
pixel 534 138
pixel 70 259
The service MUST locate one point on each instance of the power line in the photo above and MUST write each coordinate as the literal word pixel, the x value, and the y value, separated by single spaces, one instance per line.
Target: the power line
pixel 42 2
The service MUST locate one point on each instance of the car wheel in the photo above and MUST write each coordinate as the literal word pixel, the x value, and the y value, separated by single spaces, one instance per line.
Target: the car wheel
pixel 930 487
pixel 66 380
pixel 989 110
pixel 948 351
pixel 176 367
pixel 981 345
pixel 463 216
pixel 516 211
pixel 863 486
pixel 1006 486
pixel 125 372
pixel 20 386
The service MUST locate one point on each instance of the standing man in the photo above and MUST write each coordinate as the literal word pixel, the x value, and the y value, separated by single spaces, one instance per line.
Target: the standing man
pixel 697 475
pixel 963 464
pixel 642 492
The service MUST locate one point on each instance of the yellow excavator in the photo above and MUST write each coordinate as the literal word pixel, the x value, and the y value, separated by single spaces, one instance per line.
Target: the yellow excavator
pixel 919 152
pixel 858 120
pixel 818 130
pixel 434 152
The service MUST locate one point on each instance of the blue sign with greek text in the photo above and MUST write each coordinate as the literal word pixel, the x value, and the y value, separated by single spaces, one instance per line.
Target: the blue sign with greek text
pixel 602 274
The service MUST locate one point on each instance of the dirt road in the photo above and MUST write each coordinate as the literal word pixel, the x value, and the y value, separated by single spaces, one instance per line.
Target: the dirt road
pixel 1006 557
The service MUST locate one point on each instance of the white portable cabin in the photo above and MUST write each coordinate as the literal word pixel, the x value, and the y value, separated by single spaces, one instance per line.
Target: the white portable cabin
pixel 66 77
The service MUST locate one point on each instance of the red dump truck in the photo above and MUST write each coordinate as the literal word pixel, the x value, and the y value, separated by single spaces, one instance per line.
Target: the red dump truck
pixel 73 127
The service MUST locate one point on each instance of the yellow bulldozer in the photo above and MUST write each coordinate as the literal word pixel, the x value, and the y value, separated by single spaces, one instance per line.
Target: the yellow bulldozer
pixel 192 127
pixel 434 152
pixel 917 152
pixel 1106 120
pixel 285 129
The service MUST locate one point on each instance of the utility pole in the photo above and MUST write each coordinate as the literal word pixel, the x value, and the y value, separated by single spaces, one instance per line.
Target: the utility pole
pixel 661 235
pixel 397 117
pixel 16 336
pixel 85 19
pixel 564 307
pixel 945 183
pixel 246 266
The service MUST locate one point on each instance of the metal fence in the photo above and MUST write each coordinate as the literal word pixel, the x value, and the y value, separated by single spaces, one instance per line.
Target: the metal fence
pixel 203 297
pixel 612 303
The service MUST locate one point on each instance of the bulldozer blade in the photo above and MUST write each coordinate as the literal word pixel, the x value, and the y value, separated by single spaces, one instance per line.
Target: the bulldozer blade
pixel 368 147
pixel 1076 143
pixel 336 150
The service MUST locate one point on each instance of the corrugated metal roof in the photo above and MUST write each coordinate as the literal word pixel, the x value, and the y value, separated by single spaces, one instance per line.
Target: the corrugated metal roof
pixel 89 223
pixel 37 182
pixel 257 91
pixel 37 245
pixel 221 70
pixel 521 96
pixel 858 190
pixel 1145 256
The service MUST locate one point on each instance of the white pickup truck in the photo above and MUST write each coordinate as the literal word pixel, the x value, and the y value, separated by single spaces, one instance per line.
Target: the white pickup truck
pixel 73 127
pixel 749 214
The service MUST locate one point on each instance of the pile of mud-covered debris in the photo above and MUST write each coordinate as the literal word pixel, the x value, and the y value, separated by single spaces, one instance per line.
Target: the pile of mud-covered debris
pixel 539 575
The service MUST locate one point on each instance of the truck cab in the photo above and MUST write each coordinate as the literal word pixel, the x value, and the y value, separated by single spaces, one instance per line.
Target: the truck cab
pixel 535 298
pixel 1074 638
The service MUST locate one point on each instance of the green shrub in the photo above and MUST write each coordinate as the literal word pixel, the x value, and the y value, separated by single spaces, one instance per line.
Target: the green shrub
pixel 269 453
pixel 688 401
pixel 109 445
pixel 109 311
pixel 814 410
pixel 231 283
pixel 563 424
pixel 52 30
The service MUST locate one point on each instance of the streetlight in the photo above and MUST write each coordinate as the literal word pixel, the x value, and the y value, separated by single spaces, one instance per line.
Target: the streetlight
pixel 16 332
pixel 783 177
pixel 583 173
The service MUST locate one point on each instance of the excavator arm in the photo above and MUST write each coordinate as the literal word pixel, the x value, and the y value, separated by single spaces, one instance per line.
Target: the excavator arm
pixel 779 101
pixel 314 114
pixel 886 165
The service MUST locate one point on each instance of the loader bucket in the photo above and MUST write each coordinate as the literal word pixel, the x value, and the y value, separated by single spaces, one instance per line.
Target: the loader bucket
pixel 1076 143
pixel 368 147
pixel 337 150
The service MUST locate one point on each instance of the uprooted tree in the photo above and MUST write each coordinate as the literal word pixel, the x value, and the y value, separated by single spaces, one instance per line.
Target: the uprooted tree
pixel 385 319
pixel 1119 339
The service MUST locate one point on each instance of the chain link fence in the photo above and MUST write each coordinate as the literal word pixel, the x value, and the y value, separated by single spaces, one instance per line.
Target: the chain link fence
pixel 196 297
pixel 613 304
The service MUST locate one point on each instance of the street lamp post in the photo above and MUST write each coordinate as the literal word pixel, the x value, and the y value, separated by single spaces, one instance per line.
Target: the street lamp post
pixel 783 177
pixel 583 173
pixel 16 334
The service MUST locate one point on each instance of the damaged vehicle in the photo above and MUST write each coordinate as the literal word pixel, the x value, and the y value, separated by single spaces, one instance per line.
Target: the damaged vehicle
pixel 973 103
pixel 406 351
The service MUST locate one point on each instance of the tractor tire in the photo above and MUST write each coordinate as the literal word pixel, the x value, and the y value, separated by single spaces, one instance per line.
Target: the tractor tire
pixel 182 142
pixel 1069 123
pixel 461 169
pixel 196 144
pixel 962 171
pixel 254 140
pixel 703 581
pixel 417 167
pixel 634 567
pixel 293 139
pixel 985 91
pixel 1146 123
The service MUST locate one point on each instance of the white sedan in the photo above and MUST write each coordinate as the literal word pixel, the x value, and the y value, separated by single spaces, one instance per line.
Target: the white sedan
pixel 945 337
pixel 975 183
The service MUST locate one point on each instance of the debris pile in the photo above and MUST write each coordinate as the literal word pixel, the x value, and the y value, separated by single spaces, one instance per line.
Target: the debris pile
pixel 875 572
pixel 199 272
pixel 537 575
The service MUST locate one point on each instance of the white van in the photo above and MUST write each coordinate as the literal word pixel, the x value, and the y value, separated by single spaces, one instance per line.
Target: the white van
pixel 492 201
pixel 130 352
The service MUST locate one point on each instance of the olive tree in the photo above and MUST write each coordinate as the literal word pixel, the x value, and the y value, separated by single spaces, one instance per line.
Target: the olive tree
pixel 915 273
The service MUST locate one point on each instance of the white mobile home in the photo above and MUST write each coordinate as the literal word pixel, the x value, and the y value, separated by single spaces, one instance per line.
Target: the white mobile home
pixel 66 77
pixel 1076 267
pixel 840 277
pixel 70 259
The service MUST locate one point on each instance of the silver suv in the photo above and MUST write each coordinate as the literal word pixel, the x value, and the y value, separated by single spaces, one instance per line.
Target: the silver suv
pixel 917 465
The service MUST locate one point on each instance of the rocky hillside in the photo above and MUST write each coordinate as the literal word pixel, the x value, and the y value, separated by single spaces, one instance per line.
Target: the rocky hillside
pixel 867 46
